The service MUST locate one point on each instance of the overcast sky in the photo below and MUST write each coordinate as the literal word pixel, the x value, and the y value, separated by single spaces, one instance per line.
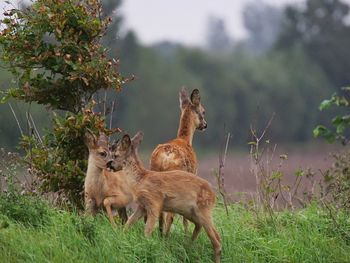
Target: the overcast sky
pixel 184 20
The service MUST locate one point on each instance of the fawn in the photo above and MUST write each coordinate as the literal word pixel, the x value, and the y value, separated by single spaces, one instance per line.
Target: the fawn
pixel 103 187
pixel 178 154
pixel 173 191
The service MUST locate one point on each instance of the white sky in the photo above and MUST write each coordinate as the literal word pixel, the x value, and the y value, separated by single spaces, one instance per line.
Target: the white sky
pixel 183 20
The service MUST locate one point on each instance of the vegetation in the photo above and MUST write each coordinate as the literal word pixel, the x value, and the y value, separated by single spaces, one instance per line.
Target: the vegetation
pixel 58 60
pixel 303 236
pixel 55 55
pixel 340 123
pixel 243 84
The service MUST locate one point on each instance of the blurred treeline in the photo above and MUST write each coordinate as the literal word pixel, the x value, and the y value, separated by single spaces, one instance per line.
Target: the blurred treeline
pixel 292 59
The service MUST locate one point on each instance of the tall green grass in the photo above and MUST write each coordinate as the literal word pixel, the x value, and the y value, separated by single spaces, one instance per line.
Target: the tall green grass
pixel 307 235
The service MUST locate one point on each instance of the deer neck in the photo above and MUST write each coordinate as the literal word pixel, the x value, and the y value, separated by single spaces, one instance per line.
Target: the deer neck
pixel 186 127
pixel 92 170
pixel 133 169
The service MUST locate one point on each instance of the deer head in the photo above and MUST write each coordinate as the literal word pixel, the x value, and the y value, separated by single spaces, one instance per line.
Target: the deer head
pixel 123 149
pixel 98 149
pixel 192 106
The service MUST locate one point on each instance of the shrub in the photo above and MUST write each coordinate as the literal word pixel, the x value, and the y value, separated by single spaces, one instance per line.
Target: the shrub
pixel 338 180
pixel 340 123
pixel 17 202
pixel 59 162
pixel 53 49
pixel 28 210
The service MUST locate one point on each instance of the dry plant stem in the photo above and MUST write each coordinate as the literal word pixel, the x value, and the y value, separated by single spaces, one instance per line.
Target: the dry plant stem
pixel 221 175
pixel 18 124
pixel 35 128
pixel 104 104
pixel 256 156
pixel 111 116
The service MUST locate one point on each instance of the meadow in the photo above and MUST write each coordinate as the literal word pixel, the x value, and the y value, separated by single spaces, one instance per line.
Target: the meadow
pixel 33 231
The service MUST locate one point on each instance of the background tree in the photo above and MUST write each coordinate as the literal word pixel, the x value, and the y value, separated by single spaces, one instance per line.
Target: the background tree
pixel 263 23
pixel 238 87
pixel 218 39
pixel 322 31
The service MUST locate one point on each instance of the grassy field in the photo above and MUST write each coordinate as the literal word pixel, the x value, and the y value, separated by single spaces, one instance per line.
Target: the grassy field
pixel 31 231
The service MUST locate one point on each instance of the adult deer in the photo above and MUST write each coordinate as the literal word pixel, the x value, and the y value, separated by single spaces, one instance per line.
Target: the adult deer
pixel 103 188
pixel 178 154
pixel 171 191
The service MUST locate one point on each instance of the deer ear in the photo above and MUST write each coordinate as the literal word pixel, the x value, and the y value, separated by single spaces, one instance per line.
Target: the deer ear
pixel 102 140
pixel 90 140
pixel 114 146
pixel 125 142
pixel 137 139
pixel 183 97
pixel 195 97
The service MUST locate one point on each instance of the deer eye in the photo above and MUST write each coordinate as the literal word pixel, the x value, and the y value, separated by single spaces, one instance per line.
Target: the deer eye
pixel 103 154
pixel 203 112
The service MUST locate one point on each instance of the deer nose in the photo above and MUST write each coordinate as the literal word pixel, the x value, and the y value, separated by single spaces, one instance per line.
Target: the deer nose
pixel 109 164
pixel 205 125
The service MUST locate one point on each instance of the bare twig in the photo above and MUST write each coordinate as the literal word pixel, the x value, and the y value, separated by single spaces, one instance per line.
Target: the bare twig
pixel 18 124
pixel 256 156
pixel 221 176
pixel 104 104
pixel 111 116
pixel 35 129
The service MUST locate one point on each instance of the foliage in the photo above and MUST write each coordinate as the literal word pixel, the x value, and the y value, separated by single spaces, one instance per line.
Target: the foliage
pixel 237 87
pixel 27 210
pixel 338 181
pixel 17 203
pixel 321 29
pixel 273 191
pixel 53 50
pixel 263 22
pixel 302 236
pixel 59 161
pixel 340 123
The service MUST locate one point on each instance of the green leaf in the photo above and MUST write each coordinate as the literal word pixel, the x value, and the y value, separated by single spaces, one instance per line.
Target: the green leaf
pixel 276 175
pixel 299 173
pixel 321 131
pixel 326 104
pixel 5 97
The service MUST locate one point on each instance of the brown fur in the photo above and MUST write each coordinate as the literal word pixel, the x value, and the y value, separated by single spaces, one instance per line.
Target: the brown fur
pixel 171 191
pixel 178 153
pixel 103 188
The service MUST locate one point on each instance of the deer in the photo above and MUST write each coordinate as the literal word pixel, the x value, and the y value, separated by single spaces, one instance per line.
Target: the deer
pixel 173 191
pixel 103 188
pixel 178 154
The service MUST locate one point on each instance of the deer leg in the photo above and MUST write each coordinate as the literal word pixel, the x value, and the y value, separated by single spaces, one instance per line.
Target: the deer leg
pixel 90 206
pixel 185 223
pixel 169 218
pixel 107 203
pixel 123 214
pixel 197 229
pixel 213 236
pixel 161 224
pixel 152 216
pixel 139 212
